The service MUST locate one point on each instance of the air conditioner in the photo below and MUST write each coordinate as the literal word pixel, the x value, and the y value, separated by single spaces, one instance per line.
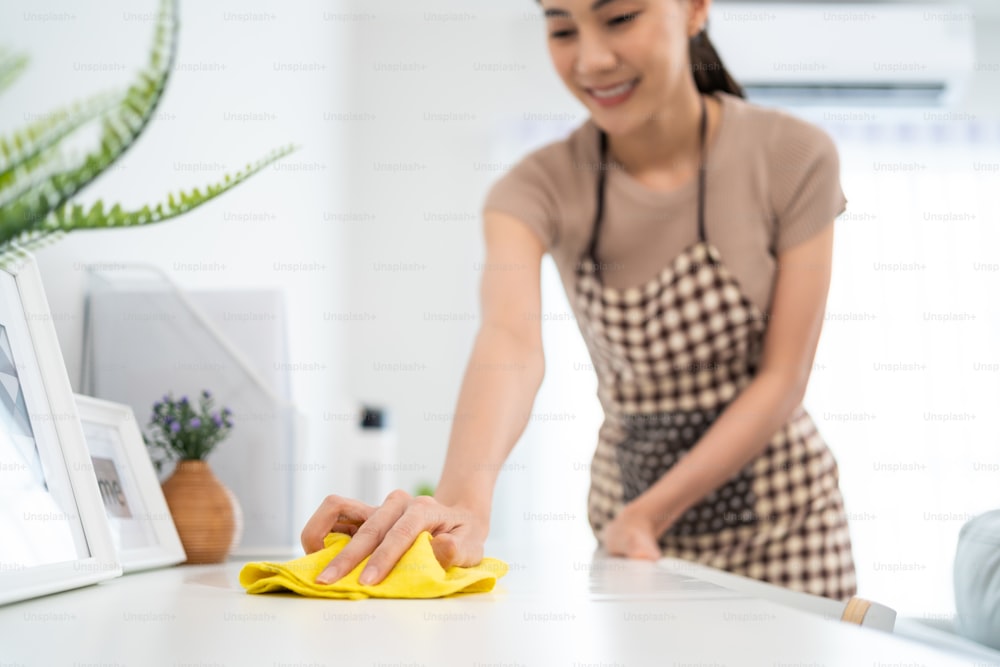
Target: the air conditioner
pixel 835 54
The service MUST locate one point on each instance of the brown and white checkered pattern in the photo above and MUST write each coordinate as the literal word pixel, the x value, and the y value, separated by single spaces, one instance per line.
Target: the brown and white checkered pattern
pixel 671 355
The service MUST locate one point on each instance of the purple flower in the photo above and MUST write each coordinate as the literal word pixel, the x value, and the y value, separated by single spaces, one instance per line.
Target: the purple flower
pixel 194 423
pixel 166 398
pixel 175 426
pixel 217 420
pixel 206 393
pixel 184 400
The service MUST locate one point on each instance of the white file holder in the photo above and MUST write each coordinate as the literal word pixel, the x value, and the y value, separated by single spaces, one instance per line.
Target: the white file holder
pixel 145 336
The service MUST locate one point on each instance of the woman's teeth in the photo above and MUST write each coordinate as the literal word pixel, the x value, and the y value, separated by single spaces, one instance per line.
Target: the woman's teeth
pixel 613 92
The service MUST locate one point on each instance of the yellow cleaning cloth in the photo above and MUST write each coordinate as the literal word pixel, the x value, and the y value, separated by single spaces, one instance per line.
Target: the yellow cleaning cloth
pixel 417 575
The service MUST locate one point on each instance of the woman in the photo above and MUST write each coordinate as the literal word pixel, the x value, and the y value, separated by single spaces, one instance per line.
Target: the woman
pixel 701 304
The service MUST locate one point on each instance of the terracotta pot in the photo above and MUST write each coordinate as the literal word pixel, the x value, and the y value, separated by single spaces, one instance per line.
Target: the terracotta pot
pixel 203 511
pixel 237 519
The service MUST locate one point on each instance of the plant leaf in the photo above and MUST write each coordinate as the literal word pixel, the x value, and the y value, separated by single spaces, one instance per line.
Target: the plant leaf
pixel 143 96
pixel 22 153
pixel 74 217
pixel 11 67
pixel 30 242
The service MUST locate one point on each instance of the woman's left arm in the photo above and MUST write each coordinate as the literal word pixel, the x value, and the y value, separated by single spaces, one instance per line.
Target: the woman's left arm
pixel 743 430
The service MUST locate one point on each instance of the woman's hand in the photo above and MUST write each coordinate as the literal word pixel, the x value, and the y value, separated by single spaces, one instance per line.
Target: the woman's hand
pixel 388 531
pixel 631 534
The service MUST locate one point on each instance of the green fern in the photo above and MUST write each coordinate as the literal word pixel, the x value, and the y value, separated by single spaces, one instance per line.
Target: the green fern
pixel 26 151
pixel 11 66
pixel 37 186
pixel 76 217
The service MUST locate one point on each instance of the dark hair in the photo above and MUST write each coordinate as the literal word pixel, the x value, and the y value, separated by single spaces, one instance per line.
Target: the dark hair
pixel 709 72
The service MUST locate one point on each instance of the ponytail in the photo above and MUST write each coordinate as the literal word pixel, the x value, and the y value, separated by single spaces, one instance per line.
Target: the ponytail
pixel 709 73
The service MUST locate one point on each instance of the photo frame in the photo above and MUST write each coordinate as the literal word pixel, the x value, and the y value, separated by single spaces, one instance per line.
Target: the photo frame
pixel 142 527
pixel 55 534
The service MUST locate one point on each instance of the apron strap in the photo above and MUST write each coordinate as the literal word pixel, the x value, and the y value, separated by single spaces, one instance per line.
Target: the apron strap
pixel 602 167
pixel 599 215
pixel 701 173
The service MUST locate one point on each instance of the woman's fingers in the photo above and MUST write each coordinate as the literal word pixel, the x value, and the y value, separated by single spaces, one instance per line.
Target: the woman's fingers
pixel 454 538
pixel 645 552
pixel 639 546
pixel 461 543
pixel 367 537
pixel 334 513
pixel 630 535
pixel 445 549
pixel 644 545
pixel 387 532
pixel 346 528
pixel 423 513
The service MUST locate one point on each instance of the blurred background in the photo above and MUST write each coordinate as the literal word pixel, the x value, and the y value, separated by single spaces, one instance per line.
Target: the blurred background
pixel 348 272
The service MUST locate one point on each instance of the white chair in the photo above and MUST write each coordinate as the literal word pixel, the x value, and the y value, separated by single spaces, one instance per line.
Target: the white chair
pixel 975 629
pixel 976 577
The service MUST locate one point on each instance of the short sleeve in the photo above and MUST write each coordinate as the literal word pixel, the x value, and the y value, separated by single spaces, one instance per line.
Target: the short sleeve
pixel 527 192
pixel 805 181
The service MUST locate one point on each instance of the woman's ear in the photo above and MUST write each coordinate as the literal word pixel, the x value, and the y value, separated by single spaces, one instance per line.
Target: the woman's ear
pixel 697 16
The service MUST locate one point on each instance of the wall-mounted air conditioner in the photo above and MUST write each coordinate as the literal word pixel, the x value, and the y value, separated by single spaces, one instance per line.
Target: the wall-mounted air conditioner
pixel 864 54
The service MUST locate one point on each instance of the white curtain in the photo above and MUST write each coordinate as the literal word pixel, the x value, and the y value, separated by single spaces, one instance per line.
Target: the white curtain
pixel 907 374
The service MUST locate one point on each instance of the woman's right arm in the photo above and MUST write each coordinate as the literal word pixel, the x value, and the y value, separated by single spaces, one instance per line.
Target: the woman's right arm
pixel 498 390
pixel 506 368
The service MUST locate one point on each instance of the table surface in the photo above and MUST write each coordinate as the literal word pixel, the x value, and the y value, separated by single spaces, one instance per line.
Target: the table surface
pixel 554 608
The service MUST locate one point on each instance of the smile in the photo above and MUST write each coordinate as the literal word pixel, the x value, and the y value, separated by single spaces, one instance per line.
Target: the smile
pixel 613 94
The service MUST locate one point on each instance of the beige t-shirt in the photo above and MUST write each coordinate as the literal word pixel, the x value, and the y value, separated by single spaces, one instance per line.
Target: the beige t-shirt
pixel 772 181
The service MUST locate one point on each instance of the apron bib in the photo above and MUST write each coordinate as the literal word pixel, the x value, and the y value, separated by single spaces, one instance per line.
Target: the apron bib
pixel 670 356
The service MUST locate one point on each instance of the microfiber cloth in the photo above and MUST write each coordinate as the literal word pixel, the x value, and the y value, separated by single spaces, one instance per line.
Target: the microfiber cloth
pixel 417 575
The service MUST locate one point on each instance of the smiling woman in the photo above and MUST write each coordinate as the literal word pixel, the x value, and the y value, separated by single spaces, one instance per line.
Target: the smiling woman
pixel 700 304
pixel 706 66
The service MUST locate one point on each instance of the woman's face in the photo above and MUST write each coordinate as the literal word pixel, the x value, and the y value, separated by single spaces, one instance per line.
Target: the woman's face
pixel 641 45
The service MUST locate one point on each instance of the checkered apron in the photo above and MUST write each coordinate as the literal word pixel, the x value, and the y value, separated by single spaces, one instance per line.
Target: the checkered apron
pixel 670 356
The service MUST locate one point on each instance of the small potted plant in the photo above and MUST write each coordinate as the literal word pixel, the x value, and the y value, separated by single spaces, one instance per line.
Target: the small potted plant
pixel 204 510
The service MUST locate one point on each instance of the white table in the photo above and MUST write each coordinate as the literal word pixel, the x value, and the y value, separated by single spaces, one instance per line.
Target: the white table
pixel 552 609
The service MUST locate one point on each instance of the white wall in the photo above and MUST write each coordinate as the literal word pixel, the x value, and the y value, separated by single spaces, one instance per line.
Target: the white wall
pixel 465 73
pixel 458 114
pixel 233 58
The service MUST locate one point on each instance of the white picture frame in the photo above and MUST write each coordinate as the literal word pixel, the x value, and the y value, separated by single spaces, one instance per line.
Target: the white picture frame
pixel 55 534
pixel 142 527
